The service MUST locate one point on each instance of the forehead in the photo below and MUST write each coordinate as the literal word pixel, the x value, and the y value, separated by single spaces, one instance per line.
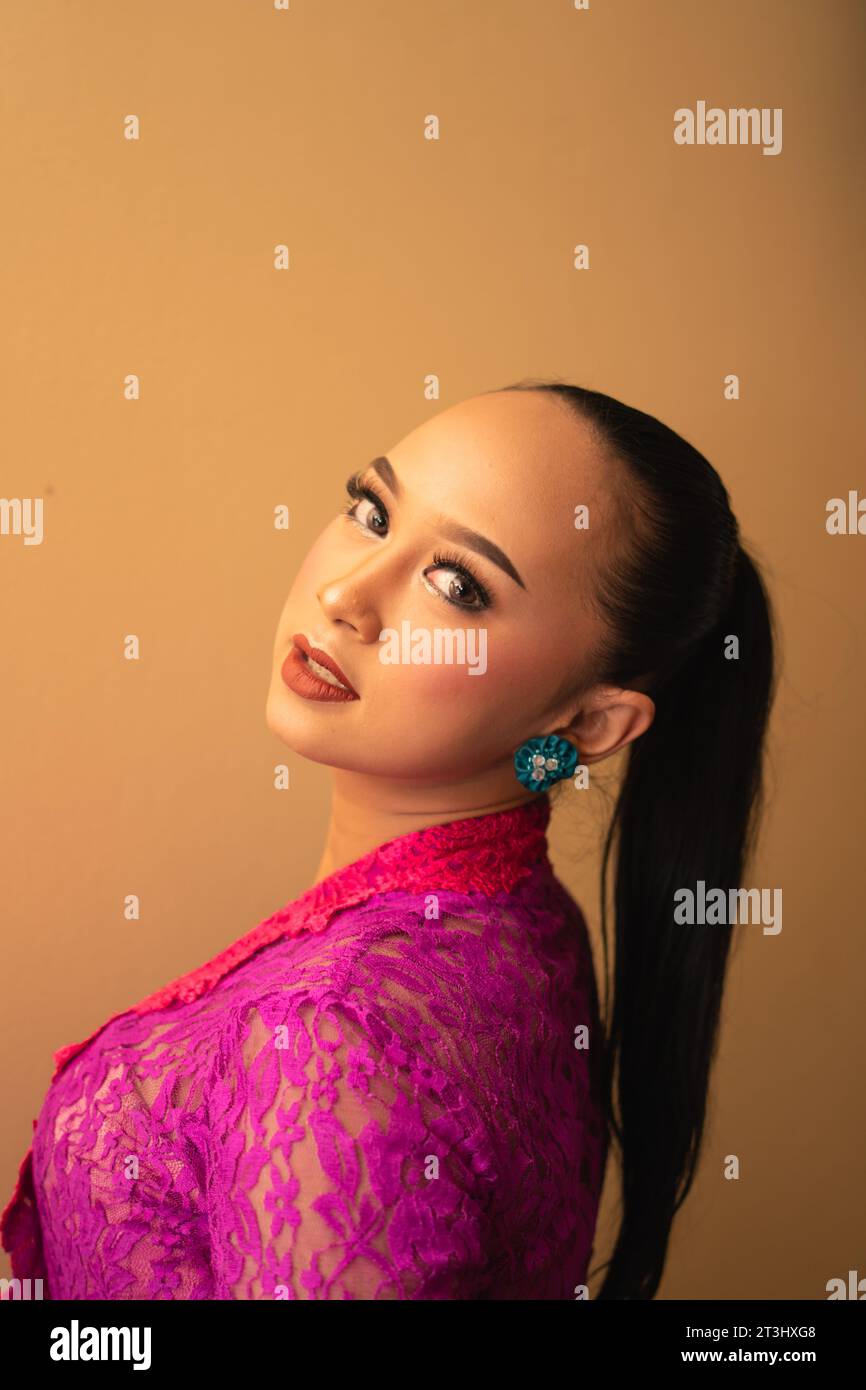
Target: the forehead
pixel 514 466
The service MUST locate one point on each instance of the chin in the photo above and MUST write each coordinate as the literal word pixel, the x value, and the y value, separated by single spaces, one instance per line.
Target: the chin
pixel 310 729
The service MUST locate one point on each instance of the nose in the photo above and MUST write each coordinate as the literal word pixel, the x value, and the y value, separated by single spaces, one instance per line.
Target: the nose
pixel 352 600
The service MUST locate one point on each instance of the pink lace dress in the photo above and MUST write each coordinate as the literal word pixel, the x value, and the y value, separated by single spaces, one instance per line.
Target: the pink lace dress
pixel 378 1092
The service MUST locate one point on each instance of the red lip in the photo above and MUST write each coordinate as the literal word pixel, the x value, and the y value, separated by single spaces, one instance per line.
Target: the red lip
pixel 297 674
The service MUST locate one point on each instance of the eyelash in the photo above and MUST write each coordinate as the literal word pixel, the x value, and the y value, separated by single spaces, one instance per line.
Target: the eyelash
pixel 358 490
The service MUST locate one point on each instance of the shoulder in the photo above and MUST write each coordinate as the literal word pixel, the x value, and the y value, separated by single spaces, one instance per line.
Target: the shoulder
pixel 381 967
pixel 345 954
pixel 402 961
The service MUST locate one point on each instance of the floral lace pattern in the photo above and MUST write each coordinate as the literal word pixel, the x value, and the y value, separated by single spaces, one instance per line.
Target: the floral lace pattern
pixel 376 1093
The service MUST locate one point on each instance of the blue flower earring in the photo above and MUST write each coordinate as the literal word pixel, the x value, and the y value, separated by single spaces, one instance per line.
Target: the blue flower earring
pixel 539 762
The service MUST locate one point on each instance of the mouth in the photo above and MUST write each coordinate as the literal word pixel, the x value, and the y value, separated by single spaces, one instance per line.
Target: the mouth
pixel 314 674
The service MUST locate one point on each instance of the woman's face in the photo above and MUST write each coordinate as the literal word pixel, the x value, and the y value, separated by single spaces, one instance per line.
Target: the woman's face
pixel 510 467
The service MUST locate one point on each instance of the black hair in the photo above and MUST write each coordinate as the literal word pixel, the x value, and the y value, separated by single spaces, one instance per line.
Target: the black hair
pixel 673 593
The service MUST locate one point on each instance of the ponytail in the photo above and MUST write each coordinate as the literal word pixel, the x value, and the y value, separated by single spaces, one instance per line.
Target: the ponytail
pixel 687 810
pixel 687 620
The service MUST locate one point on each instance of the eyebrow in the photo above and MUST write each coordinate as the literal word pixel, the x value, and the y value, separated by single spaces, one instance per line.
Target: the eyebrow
pixel 452 529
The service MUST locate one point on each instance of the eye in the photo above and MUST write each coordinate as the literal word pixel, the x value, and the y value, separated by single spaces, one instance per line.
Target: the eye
pixel 463 590
pixel 366 507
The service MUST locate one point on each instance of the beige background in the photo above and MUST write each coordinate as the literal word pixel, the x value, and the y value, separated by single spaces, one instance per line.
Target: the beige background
pixel 412 257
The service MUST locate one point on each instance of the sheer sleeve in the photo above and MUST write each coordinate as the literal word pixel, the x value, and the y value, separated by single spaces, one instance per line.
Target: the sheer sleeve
pixel 344 1157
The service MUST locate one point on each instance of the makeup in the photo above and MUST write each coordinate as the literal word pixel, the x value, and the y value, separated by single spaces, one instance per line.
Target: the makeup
pixel 313 674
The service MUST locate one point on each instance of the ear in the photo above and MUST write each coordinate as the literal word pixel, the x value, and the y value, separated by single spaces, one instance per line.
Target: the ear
pixel 609 719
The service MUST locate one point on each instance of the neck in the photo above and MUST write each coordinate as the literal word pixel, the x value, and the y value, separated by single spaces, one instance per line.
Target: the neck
pixel 367 811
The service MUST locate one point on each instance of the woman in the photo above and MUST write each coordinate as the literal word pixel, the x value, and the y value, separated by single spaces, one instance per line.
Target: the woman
pixel 398 1086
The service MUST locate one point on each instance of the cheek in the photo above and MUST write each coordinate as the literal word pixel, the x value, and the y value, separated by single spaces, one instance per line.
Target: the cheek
pixel 435 685
pixel 490 694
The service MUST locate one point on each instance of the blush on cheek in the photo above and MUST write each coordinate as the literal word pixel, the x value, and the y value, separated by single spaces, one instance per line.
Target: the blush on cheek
pixel 474 680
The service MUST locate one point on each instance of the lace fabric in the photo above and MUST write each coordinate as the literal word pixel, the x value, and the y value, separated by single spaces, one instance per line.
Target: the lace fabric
pixel 375 1094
